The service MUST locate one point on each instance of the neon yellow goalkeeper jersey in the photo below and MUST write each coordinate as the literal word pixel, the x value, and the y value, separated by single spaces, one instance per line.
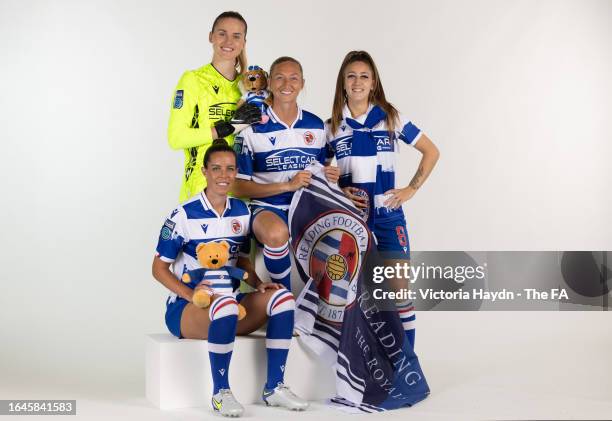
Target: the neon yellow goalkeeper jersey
pixel 202 97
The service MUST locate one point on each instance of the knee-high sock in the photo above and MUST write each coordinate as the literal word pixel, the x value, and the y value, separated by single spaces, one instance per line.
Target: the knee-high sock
pixel 221 334
pixel 278 264
pixel 405 309
pixel 280 310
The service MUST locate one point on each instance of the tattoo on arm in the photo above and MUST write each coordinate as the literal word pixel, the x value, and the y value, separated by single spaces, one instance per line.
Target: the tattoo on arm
pixel 415 183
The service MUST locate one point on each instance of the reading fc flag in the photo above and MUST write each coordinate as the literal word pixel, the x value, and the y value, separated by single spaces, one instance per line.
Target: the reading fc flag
pixel 376 368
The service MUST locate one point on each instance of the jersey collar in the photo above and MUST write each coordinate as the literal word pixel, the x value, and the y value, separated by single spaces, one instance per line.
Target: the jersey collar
pixel 208 206
pixel 346 113
pixel 275 118
pixel 222 78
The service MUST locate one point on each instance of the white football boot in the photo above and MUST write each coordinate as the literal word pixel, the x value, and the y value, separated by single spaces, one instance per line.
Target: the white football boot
pixel 282 396
pixel 226 404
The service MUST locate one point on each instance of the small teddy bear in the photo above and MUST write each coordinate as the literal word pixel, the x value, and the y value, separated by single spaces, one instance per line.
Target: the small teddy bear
pixel 218 278
pixel 255 86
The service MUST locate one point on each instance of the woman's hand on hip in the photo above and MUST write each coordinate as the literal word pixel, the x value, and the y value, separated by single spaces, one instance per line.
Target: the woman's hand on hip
pixel 398 197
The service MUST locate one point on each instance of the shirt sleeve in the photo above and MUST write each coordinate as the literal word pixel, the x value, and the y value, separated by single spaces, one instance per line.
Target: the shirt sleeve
pixel 242 146
pixel 408 132
pixel 172 236
pixel 189 125
pixel 245 247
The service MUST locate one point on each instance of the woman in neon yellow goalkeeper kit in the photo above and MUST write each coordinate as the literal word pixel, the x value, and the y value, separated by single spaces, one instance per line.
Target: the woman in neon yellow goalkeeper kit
pixel 204 105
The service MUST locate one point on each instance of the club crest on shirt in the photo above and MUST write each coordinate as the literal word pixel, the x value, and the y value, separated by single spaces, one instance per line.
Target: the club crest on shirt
pixel 236 226
pixel 308 138
pixel 178 99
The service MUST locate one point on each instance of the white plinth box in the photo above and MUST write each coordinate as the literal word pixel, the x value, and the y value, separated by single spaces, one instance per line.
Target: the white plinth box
pixel 178 371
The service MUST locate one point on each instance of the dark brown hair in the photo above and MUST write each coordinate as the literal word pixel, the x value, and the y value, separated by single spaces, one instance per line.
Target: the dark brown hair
pixel 218 145
pixel 241 61
pixel 275 63
pixel 377 94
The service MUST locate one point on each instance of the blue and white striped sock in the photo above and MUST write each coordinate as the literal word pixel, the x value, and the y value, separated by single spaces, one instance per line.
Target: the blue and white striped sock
pixel 405 309
pixel 280 310
pixel 223 314
pixel 278 264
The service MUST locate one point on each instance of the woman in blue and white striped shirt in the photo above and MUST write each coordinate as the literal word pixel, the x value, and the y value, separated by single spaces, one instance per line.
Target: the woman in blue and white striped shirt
pixel 364 133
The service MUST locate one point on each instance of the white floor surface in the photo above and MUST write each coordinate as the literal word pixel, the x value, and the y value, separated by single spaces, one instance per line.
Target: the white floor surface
pixel 479 365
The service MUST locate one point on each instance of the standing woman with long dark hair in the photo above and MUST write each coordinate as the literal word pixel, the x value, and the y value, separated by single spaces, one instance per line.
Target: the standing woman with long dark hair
pixel 204 105
pixel 364 132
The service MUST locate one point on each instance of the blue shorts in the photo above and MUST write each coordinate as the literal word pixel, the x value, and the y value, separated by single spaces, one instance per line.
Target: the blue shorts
pixel 256 209
pixel 392 238
pixel 174 312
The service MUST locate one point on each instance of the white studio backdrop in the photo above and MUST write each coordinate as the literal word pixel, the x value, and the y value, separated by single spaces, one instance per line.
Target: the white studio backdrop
pixel 516 94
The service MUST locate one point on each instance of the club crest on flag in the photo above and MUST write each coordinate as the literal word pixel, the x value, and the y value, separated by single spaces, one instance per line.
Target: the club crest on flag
pixel 335 314
pixel 331 249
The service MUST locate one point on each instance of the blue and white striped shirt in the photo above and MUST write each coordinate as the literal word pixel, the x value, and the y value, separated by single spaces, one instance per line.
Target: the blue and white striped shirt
pixel 366 155
pixel 274 152
pixel 196 221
